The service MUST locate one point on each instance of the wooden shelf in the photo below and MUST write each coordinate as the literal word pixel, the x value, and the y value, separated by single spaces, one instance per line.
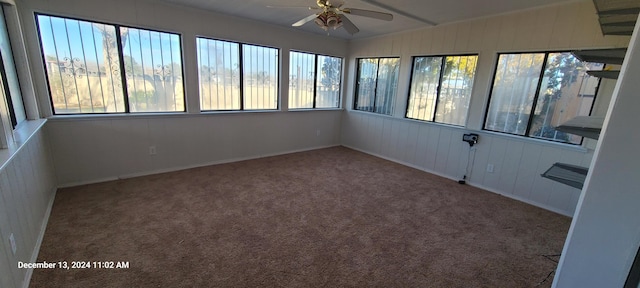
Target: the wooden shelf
pixel 608 74
pixel 607 56
pixel 585 126
pixel 567 174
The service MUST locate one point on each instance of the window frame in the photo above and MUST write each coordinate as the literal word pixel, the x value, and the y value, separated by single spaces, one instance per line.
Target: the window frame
pixel 121 66
pixel 356 89
pixel 5 86
pixel 315 80
pixel 13 118
pixel 440 77
pixel 241 75
pixel 536 96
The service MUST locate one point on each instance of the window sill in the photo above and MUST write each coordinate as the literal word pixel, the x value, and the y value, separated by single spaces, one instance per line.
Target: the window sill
pixel 21 136
pixel 434 123
pixel 91 117
pixel 580 148
pixel 116 116
pixel 374 113
pixel 222 112
pixel 314 109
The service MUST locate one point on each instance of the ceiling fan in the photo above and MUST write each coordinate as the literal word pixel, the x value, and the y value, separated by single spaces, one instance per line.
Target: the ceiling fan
pixel 333 16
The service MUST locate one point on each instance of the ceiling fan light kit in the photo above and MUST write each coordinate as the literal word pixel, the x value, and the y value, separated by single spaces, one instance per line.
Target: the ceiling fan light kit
pixel 333 16
pixel 328 20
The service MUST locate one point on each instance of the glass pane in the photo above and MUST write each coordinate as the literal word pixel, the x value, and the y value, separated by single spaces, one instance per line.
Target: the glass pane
pixel 566 92
pixel 514 87
pixel 260 77
pixel 387 85
pixel 218 74
pixel 82 65
pixel 455 92
pixel 366 85
pixel 153 67
pixel 328 85
pixel 424 87
pixel 301 78
pixel 17 109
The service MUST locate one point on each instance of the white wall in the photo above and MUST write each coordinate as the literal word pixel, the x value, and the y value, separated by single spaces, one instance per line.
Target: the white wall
pixel 27 187
pixel 92 149
pixel 605 233
pixel 438 148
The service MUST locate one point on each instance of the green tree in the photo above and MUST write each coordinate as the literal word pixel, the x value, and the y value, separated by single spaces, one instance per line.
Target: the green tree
pixel 131 66
pixel 562 70
pixel 330 72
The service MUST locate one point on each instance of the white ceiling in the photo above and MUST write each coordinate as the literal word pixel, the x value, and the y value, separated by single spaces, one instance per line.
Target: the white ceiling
pixel 437 11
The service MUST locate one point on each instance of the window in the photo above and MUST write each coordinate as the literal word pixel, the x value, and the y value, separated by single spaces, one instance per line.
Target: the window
pixel 534 92
pixel 314 80
pixel 87 62
pixel 377 83
pixel 153 70
pixel 440 88
pixel 9 77
pixel 236 76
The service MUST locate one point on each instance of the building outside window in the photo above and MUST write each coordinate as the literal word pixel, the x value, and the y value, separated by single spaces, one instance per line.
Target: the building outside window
pixel 534 92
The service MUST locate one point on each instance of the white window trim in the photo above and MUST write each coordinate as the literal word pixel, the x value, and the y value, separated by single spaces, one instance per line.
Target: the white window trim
pixel 9 143
pixel 21 60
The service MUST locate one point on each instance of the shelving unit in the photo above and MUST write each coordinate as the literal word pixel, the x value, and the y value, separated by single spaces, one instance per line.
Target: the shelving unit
pixel 590 126
pixel 587 126
pixel 572 175
pixel 617 17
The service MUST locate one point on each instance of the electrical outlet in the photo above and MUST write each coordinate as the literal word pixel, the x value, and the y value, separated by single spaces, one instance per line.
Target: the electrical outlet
pixel 318 132
pixel 490 168
pixel 152 150
pixel 12 240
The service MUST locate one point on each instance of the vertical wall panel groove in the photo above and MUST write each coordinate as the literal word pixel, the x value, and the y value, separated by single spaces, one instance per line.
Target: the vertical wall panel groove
pixel 27 186
pixel 518 162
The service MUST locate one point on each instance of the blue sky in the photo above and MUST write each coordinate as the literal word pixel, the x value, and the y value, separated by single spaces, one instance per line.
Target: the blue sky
pixel 83 40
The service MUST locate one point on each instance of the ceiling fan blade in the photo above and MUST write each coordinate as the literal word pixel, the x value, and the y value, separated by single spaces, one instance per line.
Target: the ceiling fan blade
pixel 305 20
pixel 348 25
pixel 289 6
pixel 368 13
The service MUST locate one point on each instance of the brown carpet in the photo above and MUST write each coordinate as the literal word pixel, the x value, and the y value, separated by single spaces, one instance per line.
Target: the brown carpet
pixel 325 218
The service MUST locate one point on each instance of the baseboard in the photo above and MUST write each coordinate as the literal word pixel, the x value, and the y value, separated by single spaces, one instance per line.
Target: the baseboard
pixel 403 163
pixel 518 198
pixel 36 249
pixel 514 197
pixel 178 168
pixel 94 181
